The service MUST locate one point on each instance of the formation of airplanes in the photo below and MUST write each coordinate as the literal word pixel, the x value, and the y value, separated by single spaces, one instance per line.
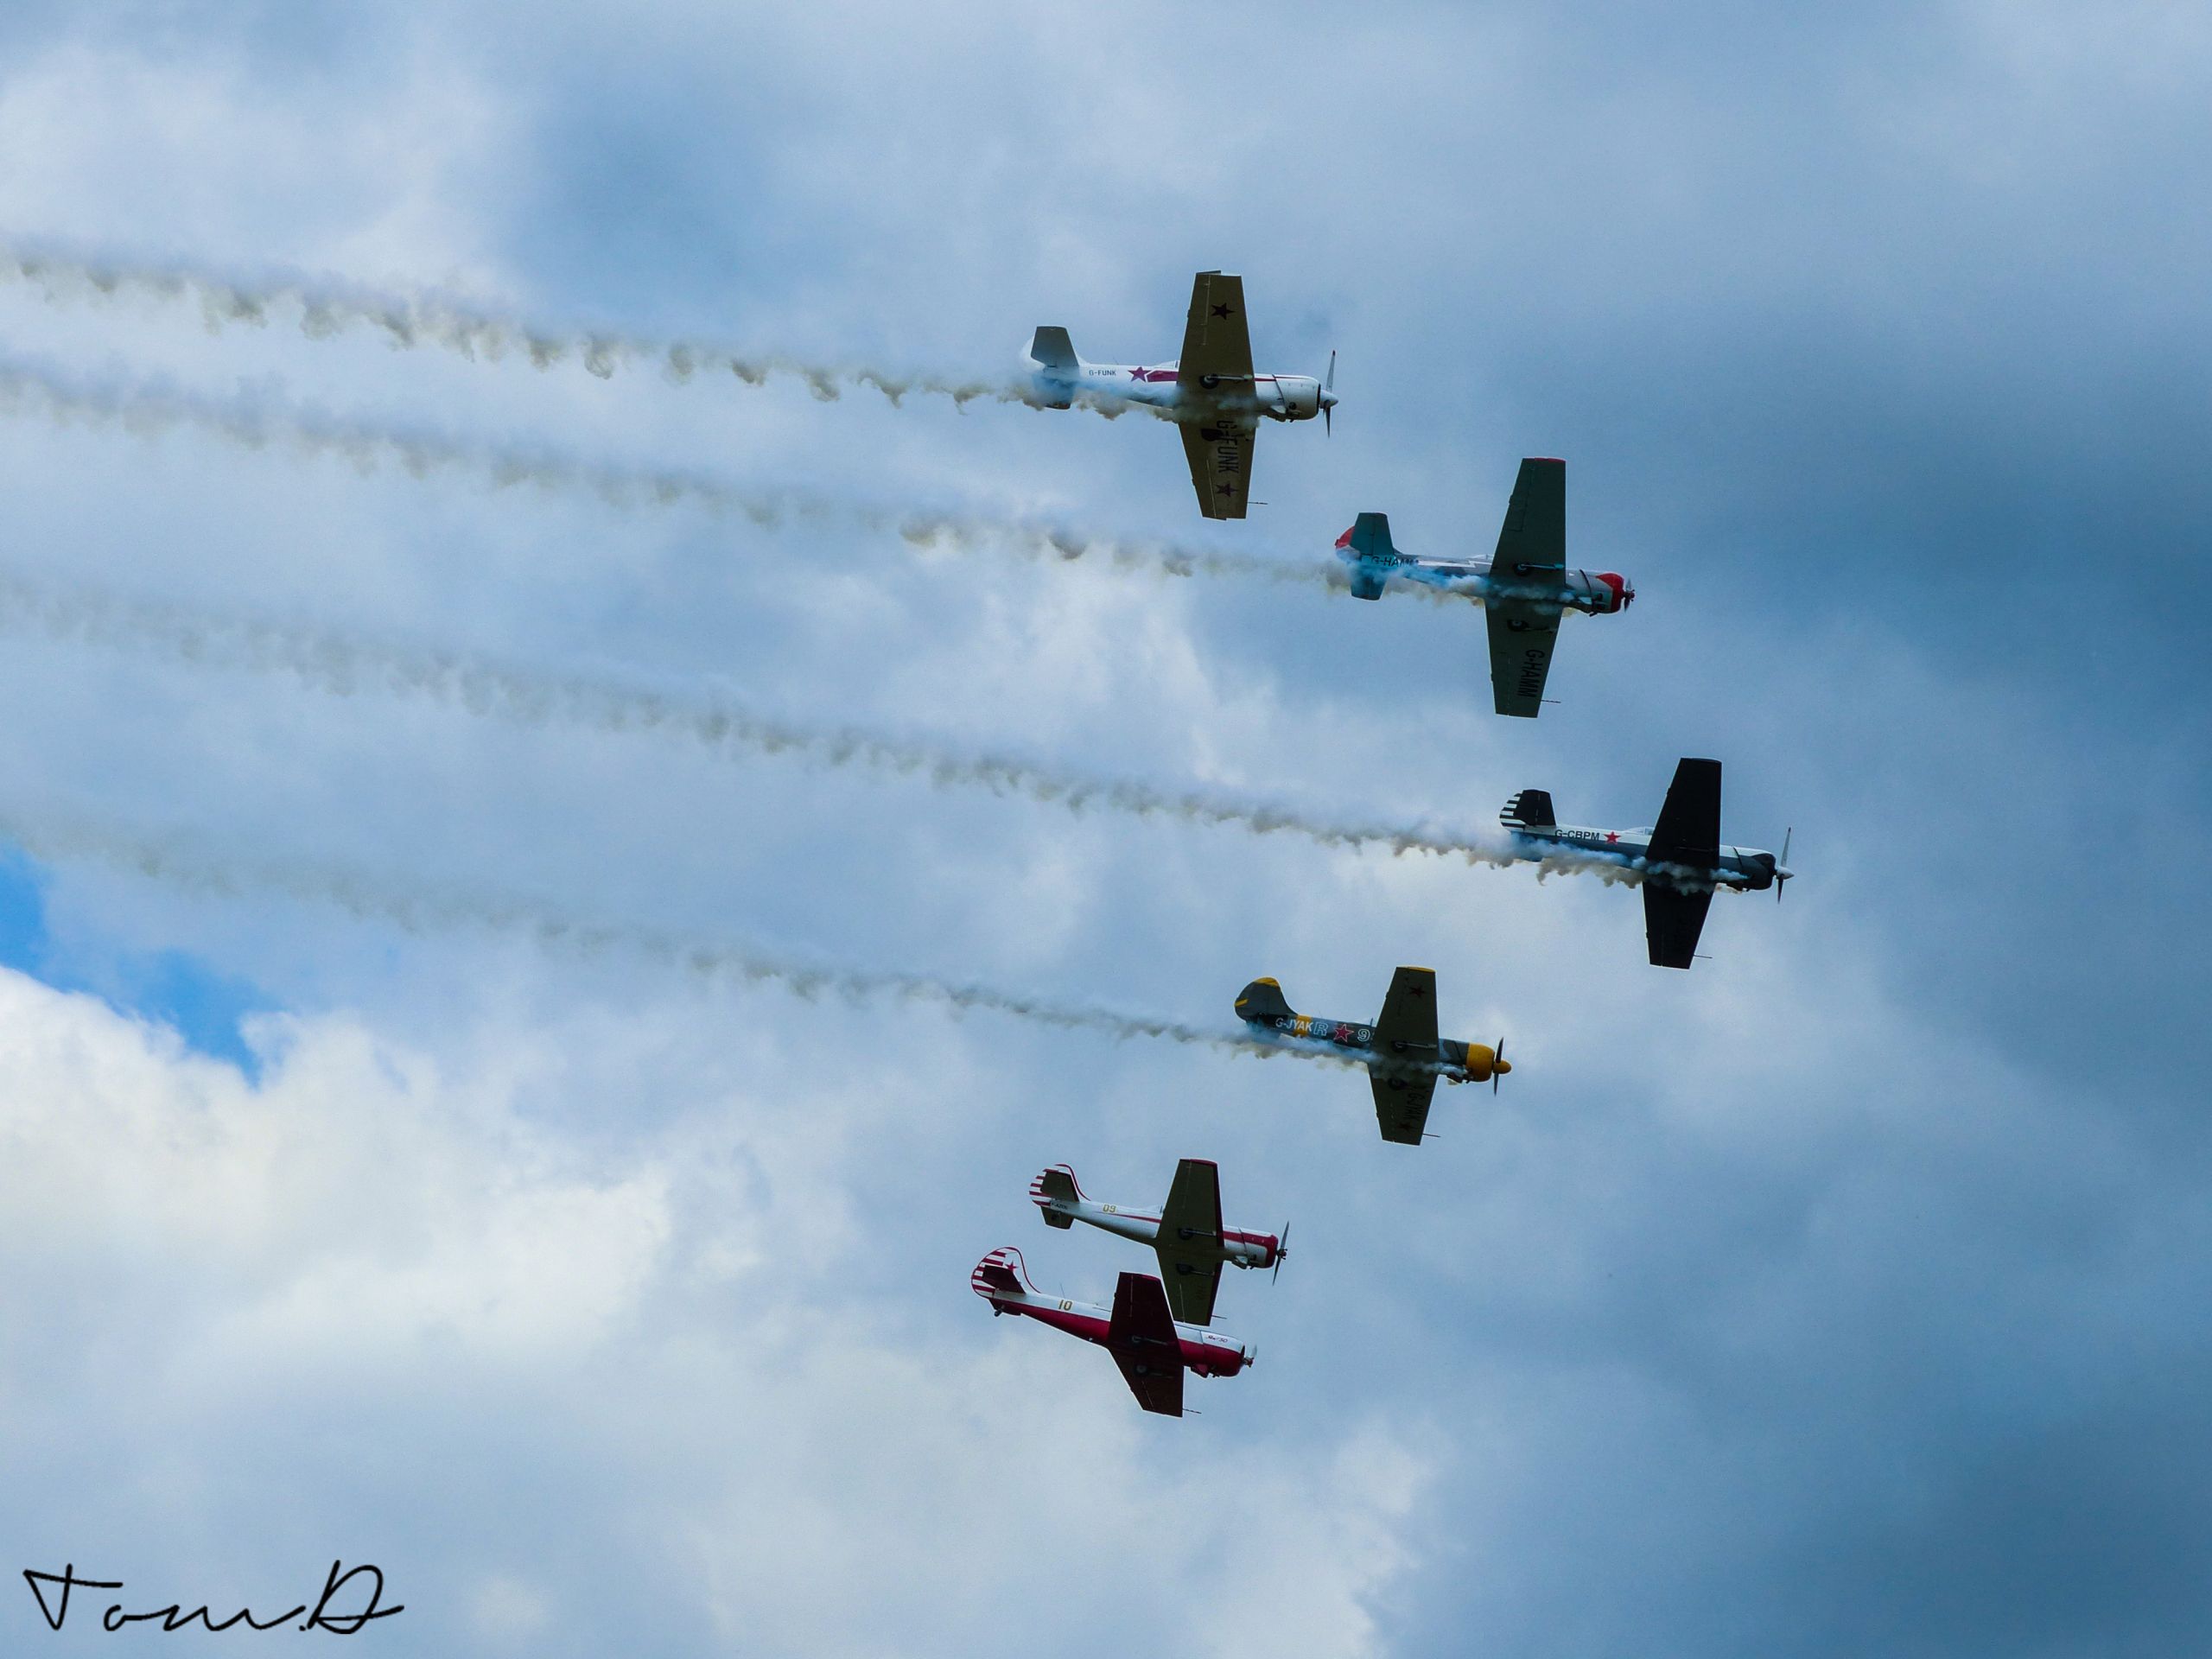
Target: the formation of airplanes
pixel 1159 1328
pixel 1156 1328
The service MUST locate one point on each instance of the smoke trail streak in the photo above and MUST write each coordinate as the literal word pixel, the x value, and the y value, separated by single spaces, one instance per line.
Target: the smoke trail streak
pixel 323 306
pixel 30 390
pixel 341 664
pixel 172 861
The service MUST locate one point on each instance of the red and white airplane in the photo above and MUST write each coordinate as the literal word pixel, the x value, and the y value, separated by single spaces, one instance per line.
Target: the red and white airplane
pixel 1151 1348
pixel 1211 392
pixel 1186 1232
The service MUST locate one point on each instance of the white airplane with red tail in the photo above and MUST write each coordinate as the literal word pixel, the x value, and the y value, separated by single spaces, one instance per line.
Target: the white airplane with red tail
pixel 1186 1232
pixel 1151 1348
pixel 1212 392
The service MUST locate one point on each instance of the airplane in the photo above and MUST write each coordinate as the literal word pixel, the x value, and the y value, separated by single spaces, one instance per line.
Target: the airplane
pixel 1405 1056
pixel 1210 391
pixel 1525 585
pixel 1681 856
pixel 1151 1348
pixel 1185 1231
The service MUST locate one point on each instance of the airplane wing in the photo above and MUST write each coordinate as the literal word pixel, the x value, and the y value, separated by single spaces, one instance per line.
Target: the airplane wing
pixel 1534 539
pixel 1406 1025
pixel 1189 1241
pixel 1672 921
pixel 1220 454
pixel 1142 1338
pixel 1217 344
pixel 1405 1043
pixel 1521 640
pixel 1688 830
pixel 1531 553
pixel 1401 1103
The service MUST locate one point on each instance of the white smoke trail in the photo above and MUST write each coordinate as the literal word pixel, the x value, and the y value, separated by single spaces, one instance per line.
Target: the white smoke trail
pixel 31 390
pixel 322 307
pixel 341 664
pixel 173 861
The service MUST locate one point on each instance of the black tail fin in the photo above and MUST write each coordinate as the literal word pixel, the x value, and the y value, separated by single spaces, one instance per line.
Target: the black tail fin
pixel 1530 809
pixel 1262 1001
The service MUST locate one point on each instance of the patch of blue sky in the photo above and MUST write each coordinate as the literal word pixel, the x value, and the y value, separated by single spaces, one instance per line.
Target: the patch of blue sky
pixel 204 1006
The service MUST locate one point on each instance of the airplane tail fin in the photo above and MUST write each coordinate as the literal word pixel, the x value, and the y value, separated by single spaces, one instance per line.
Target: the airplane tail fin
pixel 1051 350
pixel 1056 1185
pixel 1530 809
pixel 1359 547
pixel 1000 1274
pixel 1058 370
pixel 1262 999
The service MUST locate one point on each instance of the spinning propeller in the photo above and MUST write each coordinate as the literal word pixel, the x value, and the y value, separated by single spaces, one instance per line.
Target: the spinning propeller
pixel 1329 399
pixel 1282 1248
pixel 1497 1065
pixel 1781 874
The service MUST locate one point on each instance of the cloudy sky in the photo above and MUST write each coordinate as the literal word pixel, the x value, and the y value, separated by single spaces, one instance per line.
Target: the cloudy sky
pixel 378 1180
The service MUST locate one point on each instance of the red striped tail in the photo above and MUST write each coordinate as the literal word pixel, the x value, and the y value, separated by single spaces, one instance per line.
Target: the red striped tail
pixel 1058 1182
pixel 1000 1274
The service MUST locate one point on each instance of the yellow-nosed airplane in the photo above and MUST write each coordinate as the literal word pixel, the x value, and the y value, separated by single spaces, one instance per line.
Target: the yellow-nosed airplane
pixel 1403 1053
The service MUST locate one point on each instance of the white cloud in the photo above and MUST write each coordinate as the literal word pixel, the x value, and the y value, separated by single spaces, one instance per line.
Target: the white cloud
pixel 671 1331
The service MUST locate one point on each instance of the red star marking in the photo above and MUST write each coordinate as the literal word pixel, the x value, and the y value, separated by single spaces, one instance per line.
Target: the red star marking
pixel 1612 835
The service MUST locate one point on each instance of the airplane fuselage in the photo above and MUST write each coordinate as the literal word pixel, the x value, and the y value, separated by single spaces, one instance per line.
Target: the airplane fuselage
pixel 1593 593
pixel 1455 1062
pixel 1244 1250
pixel 1203 1351
pixel 1277 397
pixel 1742 869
